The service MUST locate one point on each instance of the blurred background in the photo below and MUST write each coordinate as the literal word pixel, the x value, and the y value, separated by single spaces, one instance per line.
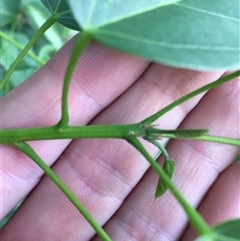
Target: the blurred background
pixel 19 21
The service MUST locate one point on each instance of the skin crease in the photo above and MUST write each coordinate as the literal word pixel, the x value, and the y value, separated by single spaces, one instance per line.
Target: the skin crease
pixel 112 180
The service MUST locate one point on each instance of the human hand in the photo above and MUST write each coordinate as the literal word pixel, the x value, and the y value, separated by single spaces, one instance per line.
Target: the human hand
pixel 110 178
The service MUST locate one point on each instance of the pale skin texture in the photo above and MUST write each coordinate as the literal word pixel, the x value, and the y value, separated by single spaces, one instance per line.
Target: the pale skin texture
pixel 110 177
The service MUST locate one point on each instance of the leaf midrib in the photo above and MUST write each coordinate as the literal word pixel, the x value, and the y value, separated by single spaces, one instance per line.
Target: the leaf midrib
pixel 207 12
pixel 165 44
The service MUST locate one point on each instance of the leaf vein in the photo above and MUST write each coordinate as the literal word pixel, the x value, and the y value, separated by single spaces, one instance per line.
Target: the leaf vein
pixel 166 44
pixel 207 12
pixel 91 11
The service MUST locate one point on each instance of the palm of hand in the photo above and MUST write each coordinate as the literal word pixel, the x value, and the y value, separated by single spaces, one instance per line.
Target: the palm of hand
pixel 110 178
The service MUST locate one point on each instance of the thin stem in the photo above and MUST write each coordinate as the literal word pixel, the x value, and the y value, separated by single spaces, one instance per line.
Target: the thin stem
pixel 217 139
pixel 6 88
pixel 21 47
pixel 26 149
pixel 194 217
pixel 81 43
pixel 161 148
pixel 39 33
pixel 9 136
pixel 216 83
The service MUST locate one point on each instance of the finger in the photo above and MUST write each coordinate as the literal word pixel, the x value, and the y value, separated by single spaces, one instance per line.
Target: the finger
pixel 102 173
pixel 222 201
pixel 100 76
pixel 198 166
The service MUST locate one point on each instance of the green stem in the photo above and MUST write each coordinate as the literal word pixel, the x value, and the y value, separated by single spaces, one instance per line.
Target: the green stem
pixel 161 148
pixel 217 139
pixel 194 217
pixel 39 33
pixel 26 149
pixel 216 83
pixel 81 43
pixel 21 47
pixel 9 136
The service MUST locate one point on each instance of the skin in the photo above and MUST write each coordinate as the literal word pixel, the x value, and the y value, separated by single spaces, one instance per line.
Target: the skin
pixel 110 177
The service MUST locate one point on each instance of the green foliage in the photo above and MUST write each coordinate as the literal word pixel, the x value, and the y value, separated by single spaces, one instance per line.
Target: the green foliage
pixel 169 168
pixel 9 10
pixel 10 214
pixel 20 20
pixel 63 13
pixel 92 14
pixel 26 67
pixel 227 231
pixel 153 133
pixel 238 158
pixel 194 34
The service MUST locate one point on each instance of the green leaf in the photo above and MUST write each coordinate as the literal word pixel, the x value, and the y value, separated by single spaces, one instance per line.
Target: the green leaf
pixel 46 52
pixel 169 168
pixel 19 76
pixel 153 133
pixel 3 91
pixel 238 158
pixel 7 56
pixel 61 9
pixel 39 14
pixel 230 229
pixel 195 34
pixel 23 39
pixel 10 214
pixel 26 2
pixel 96 13
pixel 227 231
pixel 187 133
pixel 8 11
